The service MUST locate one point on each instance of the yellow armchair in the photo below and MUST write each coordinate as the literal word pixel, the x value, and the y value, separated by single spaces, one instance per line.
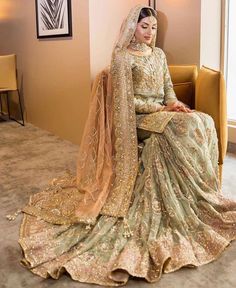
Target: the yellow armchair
pixel 8 83
pixel 204 90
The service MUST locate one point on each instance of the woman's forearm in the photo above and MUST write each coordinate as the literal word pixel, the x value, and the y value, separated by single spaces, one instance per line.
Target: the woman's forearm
pixel 148 107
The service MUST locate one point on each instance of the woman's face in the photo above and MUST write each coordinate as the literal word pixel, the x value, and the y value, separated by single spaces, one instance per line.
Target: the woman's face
pixel 146 30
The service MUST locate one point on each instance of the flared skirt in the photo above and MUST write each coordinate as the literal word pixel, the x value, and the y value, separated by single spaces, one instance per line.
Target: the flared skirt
pixel 177 217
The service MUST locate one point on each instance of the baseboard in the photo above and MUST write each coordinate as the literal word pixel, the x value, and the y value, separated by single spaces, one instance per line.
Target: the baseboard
pixel 231 148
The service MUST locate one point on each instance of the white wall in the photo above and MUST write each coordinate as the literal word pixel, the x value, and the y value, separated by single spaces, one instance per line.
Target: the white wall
pixel 210 52
pixel 231 65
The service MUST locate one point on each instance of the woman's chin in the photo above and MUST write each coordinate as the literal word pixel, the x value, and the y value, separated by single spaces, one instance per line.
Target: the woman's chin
pixel 148 42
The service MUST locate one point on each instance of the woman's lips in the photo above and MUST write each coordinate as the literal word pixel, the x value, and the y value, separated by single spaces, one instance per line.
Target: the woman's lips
pixel 148 38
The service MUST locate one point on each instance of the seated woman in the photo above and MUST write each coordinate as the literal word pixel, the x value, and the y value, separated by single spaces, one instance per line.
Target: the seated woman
pixel 146 199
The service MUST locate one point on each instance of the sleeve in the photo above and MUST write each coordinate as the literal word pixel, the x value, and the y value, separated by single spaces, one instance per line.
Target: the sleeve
pixel 142 106
pixel 170 95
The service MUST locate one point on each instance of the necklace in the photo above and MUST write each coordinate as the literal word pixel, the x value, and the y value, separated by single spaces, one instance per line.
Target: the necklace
pixel 137 46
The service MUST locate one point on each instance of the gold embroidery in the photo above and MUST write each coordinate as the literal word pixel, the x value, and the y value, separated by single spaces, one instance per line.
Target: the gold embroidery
pixel 155 122
pixel 126 145
pixel 151 81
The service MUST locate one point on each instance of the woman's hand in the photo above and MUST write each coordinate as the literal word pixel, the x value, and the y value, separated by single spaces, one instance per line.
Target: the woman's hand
pixel 178 107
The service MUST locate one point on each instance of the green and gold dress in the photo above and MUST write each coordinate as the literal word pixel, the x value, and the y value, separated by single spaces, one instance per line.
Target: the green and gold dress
pixel 177 215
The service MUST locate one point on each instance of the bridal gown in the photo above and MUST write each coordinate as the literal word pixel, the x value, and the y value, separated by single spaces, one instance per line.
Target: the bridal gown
pixel 177 216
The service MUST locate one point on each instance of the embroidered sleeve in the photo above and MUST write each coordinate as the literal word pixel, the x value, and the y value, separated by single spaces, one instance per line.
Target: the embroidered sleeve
pixel 142 106
pixel 168 85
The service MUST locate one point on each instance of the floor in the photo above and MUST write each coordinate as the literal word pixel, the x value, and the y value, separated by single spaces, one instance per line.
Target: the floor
pixel 30 158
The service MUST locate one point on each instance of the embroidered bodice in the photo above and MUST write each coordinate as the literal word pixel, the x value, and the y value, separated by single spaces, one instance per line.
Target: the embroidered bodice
pixel 151 81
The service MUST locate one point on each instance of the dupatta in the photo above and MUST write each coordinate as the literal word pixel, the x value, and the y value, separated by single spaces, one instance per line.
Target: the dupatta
pixel 108 155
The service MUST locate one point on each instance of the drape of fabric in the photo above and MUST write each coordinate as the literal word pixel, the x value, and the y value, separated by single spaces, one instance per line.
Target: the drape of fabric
pixel 124 121
pixel 108 154
pixel 85 193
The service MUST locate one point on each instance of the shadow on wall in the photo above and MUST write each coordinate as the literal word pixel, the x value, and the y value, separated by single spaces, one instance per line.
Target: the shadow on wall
pixel 162 23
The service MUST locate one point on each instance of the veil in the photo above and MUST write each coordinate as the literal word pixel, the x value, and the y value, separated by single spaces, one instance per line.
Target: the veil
pixel 108 155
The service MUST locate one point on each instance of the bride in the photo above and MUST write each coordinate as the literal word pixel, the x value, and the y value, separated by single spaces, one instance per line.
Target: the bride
pixel 146 199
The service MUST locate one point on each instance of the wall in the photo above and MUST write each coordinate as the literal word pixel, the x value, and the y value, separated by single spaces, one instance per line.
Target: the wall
pixel 55 75
pixel 106 17
pixel 179 30
pixel 211 33
pixel 56 72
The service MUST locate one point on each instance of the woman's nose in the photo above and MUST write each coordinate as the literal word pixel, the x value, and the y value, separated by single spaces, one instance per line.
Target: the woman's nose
pixel 149 32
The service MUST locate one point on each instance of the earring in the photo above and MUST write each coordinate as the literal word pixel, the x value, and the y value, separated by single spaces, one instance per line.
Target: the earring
pixel 133 39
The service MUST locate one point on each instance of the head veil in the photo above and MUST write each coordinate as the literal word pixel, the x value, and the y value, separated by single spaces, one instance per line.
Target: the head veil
pixel 108 158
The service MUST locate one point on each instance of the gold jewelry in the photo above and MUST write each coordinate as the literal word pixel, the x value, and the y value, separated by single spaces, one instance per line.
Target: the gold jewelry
pixel 153 20
pixel 138 46
pixel 133 39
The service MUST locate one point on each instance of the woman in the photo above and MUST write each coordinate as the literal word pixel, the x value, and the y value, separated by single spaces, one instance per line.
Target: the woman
pixel 146 199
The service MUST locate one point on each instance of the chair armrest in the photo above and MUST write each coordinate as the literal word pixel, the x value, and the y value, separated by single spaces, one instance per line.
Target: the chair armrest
pixel 210 98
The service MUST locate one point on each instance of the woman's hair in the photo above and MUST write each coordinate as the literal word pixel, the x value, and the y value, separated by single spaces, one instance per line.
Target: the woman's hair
pixel 146 12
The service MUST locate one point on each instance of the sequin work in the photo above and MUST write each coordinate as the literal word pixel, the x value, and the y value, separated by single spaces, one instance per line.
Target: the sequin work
pixel 175 213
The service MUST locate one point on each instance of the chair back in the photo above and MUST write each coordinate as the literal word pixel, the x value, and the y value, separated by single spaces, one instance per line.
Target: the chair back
pixel 8 73
pixel 184 80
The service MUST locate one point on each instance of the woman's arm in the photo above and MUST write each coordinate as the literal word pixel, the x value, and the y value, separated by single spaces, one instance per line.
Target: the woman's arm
pixel 142 106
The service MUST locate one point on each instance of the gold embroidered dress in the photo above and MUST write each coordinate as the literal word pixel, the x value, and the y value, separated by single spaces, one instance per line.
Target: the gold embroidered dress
pixel 176 215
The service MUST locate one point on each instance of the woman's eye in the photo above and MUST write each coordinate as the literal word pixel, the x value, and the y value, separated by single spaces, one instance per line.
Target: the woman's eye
pixel 145 27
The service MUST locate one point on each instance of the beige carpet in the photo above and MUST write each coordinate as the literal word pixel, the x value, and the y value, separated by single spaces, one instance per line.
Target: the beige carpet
pixel 29 159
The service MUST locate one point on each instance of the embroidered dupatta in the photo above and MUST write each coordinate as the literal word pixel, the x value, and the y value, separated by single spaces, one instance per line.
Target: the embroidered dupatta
pixel 108 154
pixel 114 199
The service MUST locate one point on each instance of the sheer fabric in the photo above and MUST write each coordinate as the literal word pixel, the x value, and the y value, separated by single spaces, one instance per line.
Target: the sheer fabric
pixel 108 154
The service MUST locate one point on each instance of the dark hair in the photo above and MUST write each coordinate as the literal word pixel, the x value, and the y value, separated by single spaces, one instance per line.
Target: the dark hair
pixel 146 12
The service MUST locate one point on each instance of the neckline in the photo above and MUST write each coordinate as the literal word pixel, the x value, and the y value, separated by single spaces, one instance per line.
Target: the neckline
pixel 141 55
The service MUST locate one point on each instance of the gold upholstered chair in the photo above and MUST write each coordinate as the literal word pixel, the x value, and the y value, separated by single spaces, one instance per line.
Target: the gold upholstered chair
pixel 204 90
pixel 8 83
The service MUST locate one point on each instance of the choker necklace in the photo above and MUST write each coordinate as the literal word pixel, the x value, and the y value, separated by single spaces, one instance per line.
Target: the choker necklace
pixel 137 46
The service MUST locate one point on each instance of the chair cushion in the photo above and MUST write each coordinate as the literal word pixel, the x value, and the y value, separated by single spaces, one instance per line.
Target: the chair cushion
pixel 185 93
pixel 184 78
pixel 8 72
pixel 210 98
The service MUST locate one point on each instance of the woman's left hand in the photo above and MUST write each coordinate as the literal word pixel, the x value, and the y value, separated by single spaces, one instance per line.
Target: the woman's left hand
pixel 179 107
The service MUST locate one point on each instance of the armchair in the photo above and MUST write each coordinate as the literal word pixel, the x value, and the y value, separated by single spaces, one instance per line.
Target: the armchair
pixel 8 83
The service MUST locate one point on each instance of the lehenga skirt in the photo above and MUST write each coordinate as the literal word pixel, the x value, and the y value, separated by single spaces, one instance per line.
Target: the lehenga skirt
pixel 178 216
